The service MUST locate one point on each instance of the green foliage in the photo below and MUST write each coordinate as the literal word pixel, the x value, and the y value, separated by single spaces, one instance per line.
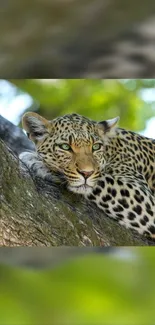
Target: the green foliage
pixel 97 99
pixel 91 290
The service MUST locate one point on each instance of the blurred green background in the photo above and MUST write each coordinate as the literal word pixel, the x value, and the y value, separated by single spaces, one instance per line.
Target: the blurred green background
pixel 133 100
pixel 88 290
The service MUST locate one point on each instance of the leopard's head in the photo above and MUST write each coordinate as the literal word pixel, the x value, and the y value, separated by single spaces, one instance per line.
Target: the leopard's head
pixel 72 145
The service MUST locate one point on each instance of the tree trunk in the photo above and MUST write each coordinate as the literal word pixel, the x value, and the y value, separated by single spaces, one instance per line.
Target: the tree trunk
pixel 66 38
pixel 37 213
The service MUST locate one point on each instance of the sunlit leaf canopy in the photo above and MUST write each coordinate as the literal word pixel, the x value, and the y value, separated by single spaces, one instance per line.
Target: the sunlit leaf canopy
pixel 90 290
pixel 132 100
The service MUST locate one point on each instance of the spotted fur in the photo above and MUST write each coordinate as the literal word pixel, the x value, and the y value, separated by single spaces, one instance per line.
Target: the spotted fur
pixel 119 177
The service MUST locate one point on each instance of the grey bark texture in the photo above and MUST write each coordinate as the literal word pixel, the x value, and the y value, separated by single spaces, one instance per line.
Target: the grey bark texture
pixel 76 38
pixel 37 213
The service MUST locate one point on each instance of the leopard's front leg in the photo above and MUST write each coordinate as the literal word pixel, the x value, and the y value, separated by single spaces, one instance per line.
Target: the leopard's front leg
pixel 127 199
pixel 36 165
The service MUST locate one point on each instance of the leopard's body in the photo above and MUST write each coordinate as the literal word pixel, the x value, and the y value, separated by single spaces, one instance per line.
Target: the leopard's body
pixel 112 167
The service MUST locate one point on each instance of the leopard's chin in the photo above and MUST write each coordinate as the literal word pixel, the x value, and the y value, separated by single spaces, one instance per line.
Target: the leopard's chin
pixel 82 189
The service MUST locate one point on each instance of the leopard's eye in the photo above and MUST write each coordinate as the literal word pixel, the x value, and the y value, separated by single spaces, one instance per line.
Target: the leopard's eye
pixel 96 146
pixel 65 146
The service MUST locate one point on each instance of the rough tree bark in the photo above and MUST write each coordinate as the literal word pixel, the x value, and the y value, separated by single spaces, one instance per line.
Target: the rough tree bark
pixel 76 38
pixel 38 213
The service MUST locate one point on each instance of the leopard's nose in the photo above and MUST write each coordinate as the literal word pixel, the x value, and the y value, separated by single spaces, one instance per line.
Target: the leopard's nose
pixel 85 173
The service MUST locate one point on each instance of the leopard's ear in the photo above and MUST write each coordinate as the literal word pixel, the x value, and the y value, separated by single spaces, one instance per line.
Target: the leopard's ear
pixel 36 126
pixel 107 127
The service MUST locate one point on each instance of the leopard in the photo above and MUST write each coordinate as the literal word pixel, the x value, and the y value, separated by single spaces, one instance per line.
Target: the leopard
pixel 112 167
